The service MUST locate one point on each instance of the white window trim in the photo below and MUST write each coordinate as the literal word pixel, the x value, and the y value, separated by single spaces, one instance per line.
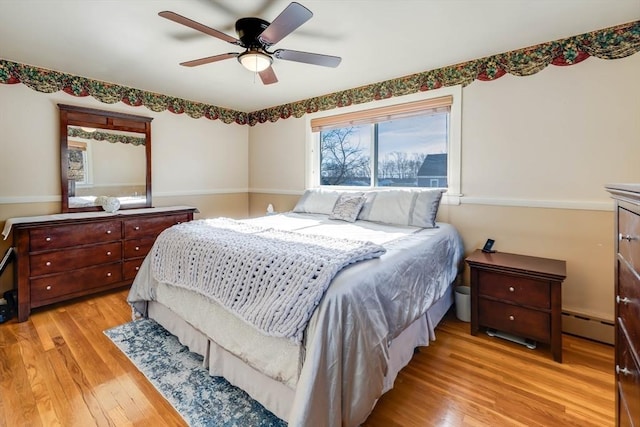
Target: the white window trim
pixel 454 154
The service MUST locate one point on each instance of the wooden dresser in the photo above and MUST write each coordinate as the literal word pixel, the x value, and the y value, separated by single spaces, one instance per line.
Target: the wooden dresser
pixel 64 256
pixel 627 302
pixel 519 295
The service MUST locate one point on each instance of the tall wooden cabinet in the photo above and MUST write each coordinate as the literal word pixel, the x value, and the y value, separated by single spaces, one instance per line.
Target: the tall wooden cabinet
pixel 64 256
pixel 627 302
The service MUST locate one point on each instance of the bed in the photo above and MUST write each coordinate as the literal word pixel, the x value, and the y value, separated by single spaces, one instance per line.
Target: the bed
pixel 363 329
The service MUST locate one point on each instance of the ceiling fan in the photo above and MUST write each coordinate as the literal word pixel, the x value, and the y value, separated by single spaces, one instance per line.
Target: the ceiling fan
pixel 257 36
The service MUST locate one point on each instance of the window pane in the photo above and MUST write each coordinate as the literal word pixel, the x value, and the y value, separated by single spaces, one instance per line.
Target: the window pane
pixel 345 156
pixel 412 152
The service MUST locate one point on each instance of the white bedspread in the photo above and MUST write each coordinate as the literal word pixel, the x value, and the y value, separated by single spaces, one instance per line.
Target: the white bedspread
pixel 367 305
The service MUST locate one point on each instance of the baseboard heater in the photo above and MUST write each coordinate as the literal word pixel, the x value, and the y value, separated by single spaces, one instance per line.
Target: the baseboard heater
pixel 589 327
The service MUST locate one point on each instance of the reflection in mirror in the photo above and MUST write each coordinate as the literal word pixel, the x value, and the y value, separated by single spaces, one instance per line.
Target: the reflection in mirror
pixel 105 163
pixel 104 154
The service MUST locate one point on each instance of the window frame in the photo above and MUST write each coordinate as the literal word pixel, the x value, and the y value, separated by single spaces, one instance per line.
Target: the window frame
pixel 454 149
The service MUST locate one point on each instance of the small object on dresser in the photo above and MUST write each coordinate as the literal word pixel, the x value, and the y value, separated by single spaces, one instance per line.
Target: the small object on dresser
pixel 488 246
pixel 111 204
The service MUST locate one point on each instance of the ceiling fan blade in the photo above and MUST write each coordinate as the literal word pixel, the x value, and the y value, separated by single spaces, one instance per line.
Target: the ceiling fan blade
pixel 172 16
pixel 209 59
pixel 308 58
pixel 289 19
pixel 268 76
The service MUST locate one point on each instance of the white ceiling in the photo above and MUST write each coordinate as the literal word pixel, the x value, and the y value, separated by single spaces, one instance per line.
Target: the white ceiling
pixel 126 42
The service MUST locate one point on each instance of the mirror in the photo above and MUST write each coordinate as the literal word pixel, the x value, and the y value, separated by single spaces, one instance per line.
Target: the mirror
pixel 106 154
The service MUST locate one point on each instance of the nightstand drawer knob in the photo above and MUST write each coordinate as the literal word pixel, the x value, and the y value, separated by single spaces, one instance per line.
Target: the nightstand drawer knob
pixel 47 239
pixel 512 317
pixel 48 263
pixel 108 274
pixel 137 248
pixel 137 227
pixel 512 289
pixel 624 300
pixel 108 253
pixel 108 231
pixel 137 268
pixel 48 287
pixel 623 371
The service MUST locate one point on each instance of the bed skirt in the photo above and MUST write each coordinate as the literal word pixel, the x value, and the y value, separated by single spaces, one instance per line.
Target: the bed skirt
pixel 274 395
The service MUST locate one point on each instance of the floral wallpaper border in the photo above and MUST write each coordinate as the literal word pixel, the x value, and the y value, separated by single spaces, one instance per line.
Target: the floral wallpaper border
pixel 113 138
pixel 609 43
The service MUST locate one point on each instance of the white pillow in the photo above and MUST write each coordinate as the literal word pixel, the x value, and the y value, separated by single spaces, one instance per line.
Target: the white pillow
pixel 317 200
pixel 348 207
pixel 417 208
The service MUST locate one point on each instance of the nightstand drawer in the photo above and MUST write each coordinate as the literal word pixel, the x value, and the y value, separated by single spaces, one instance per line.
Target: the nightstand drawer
pixel 510 288
pixel 516 320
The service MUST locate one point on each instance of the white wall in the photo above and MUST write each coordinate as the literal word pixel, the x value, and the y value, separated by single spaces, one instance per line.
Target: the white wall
pixel 189 156
pixel 196 162
pixel 536 154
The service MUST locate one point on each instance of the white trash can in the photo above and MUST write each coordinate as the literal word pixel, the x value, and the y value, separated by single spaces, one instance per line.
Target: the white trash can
pixel 463 303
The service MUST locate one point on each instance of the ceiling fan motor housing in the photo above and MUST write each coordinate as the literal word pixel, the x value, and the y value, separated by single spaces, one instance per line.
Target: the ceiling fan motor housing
pixel 249 29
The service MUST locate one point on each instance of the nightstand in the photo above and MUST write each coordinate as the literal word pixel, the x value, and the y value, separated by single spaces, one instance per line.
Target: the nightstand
pixel 519 295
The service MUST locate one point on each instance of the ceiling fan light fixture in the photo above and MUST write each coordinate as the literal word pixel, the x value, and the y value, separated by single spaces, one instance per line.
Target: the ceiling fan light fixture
pixel 255 60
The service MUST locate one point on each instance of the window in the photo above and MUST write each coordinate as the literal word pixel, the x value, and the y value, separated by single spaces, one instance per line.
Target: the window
pixel 410 144
pixel 79 164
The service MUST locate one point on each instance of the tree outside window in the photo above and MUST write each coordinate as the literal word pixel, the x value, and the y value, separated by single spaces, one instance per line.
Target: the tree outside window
pixel 402 152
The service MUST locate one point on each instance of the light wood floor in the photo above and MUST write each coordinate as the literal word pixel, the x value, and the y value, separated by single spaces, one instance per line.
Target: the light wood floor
pixel 59 369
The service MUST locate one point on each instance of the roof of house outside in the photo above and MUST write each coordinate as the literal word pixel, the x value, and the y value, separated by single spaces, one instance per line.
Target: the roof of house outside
pixel 434 165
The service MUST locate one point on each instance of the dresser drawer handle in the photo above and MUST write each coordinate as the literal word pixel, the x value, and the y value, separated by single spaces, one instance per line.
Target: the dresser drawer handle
pixel 137 227
pixel 48 263
pixel 108 253
pixel 623 371
pixel 109 274
pixel 512 289
pixel 512 317
pixel 624 300
pixel 48 287
pixel 626 237
pixel 137 248
pixel 47 239
pixel 108 231
pixel 137 268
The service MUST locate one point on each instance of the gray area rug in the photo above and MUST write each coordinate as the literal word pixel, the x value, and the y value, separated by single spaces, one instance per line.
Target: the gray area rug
pixel 202 400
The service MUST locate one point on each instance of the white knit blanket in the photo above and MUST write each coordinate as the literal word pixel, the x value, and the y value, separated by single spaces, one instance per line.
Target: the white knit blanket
pixel 272 279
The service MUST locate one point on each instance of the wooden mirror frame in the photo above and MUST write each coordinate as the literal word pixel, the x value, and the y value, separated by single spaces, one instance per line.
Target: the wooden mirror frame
pixel 93 118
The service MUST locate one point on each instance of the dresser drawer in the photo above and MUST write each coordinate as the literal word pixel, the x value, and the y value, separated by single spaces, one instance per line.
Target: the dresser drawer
pixel 629 237
pixel 628 302
pixel 510 288
pixel 627 378
pixel 73 259
pixel 138 247
pixel 150 227
pixel 131 268
pixel 64 236
pixel 516 320
pixel 54 286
